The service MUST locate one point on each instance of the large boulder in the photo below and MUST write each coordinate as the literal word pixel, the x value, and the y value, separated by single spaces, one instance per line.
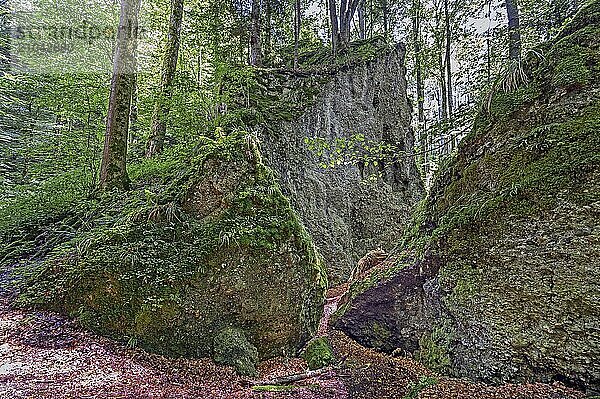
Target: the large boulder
pixel 218 249
pixel 348 208
pixel 501 278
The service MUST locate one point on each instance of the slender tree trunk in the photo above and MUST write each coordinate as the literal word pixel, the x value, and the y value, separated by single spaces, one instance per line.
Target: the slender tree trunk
pixel 267 45
pixel 489 43
pixel 133 114
pixel 344 25
pixel 255 45
pixel 448 58
pixel 347 11
pixel 162 105
pixel 113 171
pixel 297 26
pixel 514 30
pixel 444 92
pixel 361 20
pixel 419 63
pixel 371 18
pixel 5 53
pixel 335 30
pixel 386 22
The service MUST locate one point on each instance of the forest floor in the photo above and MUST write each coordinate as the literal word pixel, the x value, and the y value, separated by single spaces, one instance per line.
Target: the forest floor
pixel 44 355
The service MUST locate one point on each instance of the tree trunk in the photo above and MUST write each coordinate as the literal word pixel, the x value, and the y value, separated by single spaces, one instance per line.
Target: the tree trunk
pixel 335 30
pixel 113 171
pixel 418 63
pixel 340 23
pixel 5 53
pixel 444 92
pixel 386 22
pixel 255 45
pixel 361 21
pixel 489 43
pixel 344 24
pixel 448 58
pixel 162 105
pixel 134 114
pixel 371 18
pixel 267 45
pixel 297 25
pixel 514 30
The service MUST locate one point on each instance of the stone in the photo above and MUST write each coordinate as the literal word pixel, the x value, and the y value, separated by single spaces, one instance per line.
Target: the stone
pixel 318 353
pixel 231 348
pixel 350 209
pixel 228 251
pixel 504 277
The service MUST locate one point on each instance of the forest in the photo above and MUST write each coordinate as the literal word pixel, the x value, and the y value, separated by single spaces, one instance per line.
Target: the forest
pixel 300 198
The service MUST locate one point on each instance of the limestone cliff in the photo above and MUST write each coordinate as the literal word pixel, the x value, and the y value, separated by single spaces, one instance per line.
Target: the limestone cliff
pixel 346 213
pixel 501 277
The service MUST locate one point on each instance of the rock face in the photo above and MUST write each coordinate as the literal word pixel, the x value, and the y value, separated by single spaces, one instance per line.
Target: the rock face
pixel 346 212
pixel 228 255
pixel 503 283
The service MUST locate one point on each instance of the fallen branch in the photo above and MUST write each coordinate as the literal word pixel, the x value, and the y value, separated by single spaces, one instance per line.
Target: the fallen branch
pixel 287 379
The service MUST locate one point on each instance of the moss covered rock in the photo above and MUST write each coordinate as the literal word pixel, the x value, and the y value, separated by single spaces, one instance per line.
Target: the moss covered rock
pixel 233 349
pixel 318 354
pixel 504 278
pixel 169 265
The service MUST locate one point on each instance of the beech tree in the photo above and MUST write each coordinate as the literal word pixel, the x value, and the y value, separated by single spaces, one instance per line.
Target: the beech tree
pixel 169 66
pixel 5 58
pixel 341 21
pixel 362 33
pixel 255 42
pixel 514 30
pixel 297 26
pixel 113 170
pixel 448 60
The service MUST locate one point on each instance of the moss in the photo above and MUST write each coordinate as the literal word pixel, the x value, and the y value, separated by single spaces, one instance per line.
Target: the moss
pixel 358 51
pixel 412 233
pixel 503 104
pixel 588 15
pixel 415 388
pixel 318 354
pixel 572 70
pixel 434 349
pixel 520 184
pixel 273 388
pixel 463 277
pixel 146 267
pixel 380 334
pixel 231 348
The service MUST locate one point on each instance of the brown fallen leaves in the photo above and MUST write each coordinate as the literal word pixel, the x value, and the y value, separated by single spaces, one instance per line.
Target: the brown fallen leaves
pixel 43 355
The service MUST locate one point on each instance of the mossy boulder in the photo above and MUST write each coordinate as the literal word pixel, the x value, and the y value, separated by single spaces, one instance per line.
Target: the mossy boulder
pixel 502 274
pixel 213 244
pixel 233 349
pixel 318 353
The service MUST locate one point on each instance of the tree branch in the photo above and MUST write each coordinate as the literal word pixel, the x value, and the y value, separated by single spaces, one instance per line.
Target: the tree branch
pixel 287 379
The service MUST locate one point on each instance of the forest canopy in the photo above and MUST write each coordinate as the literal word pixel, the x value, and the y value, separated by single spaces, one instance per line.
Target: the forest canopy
pixel 188 55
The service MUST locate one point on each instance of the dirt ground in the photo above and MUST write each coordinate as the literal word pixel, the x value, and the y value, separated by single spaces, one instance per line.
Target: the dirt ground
pixel 44 355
